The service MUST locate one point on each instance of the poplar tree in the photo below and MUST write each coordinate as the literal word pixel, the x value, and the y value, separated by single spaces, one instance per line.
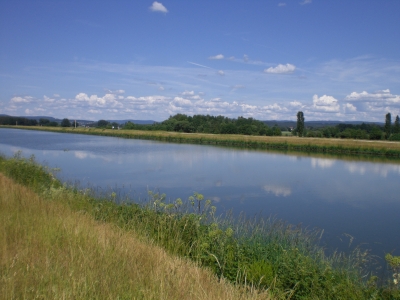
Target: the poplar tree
pixel 396 127
pixel 300 123
pixel 388 125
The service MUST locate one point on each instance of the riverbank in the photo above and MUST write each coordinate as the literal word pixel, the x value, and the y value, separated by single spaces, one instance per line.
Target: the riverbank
pixel 255 256
pixel 281 143
pixel 52 250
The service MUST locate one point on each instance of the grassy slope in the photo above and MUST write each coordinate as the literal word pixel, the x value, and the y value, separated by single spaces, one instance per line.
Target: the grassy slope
pixel 49 251
pixel 343 146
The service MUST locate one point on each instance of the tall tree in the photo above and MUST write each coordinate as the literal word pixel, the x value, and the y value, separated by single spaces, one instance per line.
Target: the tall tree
pixel 388 125
pixel 396 127
pixel 300 123
pixel 65 123
pixel 102 123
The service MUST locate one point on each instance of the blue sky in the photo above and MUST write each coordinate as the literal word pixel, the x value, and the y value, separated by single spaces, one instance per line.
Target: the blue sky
pixel 139 59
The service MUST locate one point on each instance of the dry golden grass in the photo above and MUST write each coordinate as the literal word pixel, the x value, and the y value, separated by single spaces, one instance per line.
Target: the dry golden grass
pixel 377 145
pixel 48 251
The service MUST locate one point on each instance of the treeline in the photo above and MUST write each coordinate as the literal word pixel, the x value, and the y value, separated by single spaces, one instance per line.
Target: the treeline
pixel 362 131
pixel 8 120
pixel 210 124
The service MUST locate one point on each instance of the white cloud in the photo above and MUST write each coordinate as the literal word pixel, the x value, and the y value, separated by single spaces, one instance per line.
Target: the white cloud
pixel 220 72
pixel 187 93
pixel 28 111
pixel 295 104
pixel 238 86
pixel 274 106
pixel 325 103
pixel 245 57
pixel 25 99
pixel 349 107
pixel 179 101
pixel 281 4
pixel 158 7
pixel 306 2
pixel 383 95
pixel 218 56
pixel 94 100
pixel 281 69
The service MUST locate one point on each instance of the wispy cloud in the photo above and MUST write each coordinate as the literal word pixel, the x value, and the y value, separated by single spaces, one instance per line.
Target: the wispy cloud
pixel 196 64
pixel 281 4
pixel 218 56
pixel 158 7
pixel 306 2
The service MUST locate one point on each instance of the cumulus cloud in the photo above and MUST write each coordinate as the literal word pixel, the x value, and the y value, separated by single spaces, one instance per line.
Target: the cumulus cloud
pixel 158 7
pixel 187 93
pixel 325 103
pixel 349 107
pixel 25 99
pixel 281 69
pixel 383 95
pixel 221 73
pixel 181 102
pixel 295 104
pixel 218 56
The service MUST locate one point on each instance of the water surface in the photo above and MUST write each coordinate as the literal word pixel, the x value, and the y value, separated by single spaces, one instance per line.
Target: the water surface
pixel 361 199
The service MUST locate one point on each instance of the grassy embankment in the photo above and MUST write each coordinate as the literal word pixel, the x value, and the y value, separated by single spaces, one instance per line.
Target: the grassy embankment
pixel 282 143
pixel 52 249
pixel 60 242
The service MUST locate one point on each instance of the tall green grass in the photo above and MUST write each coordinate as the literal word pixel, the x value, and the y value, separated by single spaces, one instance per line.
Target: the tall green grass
pixel 266 254
pixel 48 251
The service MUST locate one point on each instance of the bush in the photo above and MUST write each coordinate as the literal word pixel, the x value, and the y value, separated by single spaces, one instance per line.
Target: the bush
pixel 395 137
